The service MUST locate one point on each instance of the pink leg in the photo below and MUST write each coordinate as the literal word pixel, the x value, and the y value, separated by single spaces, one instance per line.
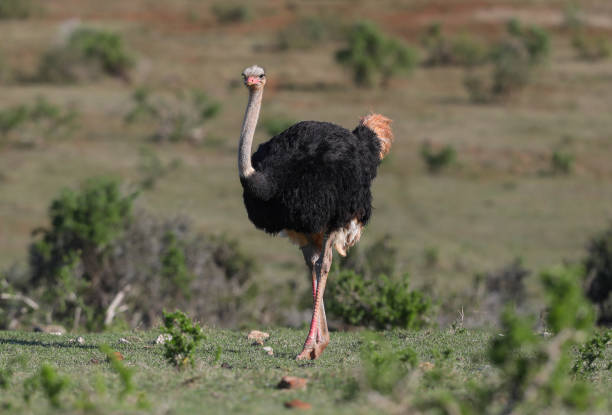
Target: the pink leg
pixel 318 335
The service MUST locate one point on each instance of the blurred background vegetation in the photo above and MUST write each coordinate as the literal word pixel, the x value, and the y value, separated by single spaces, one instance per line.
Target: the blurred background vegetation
pixel 118 136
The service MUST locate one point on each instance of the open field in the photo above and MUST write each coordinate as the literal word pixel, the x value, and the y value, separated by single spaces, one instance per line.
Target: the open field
pixel 244 378
pixel 498 203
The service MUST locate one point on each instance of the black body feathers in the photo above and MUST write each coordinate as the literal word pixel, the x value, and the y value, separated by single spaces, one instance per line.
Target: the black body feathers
pixel 313 177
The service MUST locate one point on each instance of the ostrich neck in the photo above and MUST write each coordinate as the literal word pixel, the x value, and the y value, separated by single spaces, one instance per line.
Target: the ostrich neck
pixel 248 130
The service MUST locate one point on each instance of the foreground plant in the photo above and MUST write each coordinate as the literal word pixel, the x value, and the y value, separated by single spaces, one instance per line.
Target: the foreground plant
pixel 185 336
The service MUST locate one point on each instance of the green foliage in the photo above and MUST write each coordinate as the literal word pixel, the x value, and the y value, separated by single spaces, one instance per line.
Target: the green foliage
pixel 186 336
pixel 436 161
pixel 125 373
pixel 442 50
pixel 591 351
pixel 513 60
pixel 511 68
pixel 83 224
pixel 16 9
pixel 86 54
pixel 28 124
pixel 232 13
pixel 535 39
pixel 592 48
pixel 96 250
pixel 598 275
pixel 373 57
pixel 382 302
pixel 364 290
pixel 568 307
pixel 174 268
pixel 178 118
pixel 533 371
pixel 562 162
pixel 49 381
pixel 276 125
pixel 385 367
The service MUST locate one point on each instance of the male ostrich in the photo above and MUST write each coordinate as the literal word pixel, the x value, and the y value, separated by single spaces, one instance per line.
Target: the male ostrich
pixel 312 183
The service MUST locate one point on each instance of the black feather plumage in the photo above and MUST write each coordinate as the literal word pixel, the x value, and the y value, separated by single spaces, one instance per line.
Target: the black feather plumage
pixel 312 177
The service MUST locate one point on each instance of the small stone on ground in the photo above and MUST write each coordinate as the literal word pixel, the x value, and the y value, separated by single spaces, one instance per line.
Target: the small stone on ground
pixel 292 382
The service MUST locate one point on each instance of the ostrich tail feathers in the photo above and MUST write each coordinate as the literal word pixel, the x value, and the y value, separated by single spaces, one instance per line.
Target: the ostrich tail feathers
pixel 381 126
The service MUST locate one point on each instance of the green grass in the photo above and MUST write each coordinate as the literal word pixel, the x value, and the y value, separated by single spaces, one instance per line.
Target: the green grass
pixel 244 378
pixel 248 386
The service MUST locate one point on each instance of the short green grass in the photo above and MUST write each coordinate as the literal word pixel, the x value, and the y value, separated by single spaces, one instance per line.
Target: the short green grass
pixel 243 380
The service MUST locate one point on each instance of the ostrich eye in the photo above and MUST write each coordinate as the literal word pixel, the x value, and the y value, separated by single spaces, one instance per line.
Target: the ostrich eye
pixel 261 76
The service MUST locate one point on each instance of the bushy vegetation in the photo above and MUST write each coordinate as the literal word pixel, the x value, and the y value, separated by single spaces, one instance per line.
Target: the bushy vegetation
pixel 184 336
pixel 373 57
pixel 232 12
pixel 598 275
pixel 180 117
pixel 513 60
pixel 438 160
pixel 562 162
pixel 16 9
pixel 96 261
pixel 87 54
pixel 31 124
pixel 441 50
pixel 364 290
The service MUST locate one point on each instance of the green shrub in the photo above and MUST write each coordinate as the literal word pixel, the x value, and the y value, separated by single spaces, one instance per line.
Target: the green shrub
pixel 277 125
pixel 232 13
pixel 592 48
pixel 591 352
pixel 178 118
pixel 511 68
pixel 513 60
pixel 16 9
pixel 373 57
pixel 562 162
pixel 382 302
pixel 442 50
pixel 87 54
pixel 535 39
pixel 598 280
pixel 533 371
pixel 436 161
pixel 185 338
pixel 95 250
pixel 30 124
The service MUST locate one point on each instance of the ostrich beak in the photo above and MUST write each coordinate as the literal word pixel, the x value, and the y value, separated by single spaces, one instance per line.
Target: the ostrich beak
pixel 252 80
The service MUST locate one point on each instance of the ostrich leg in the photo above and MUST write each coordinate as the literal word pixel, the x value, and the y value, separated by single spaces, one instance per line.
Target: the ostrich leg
pixel 318 335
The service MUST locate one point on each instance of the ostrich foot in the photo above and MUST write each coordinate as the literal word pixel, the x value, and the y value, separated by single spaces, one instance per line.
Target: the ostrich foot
pixel 313 349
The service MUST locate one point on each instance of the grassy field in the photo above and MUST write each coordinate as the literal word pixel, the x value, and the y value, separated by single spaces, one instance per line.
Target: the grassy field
pixel 498 203
pixel 244 379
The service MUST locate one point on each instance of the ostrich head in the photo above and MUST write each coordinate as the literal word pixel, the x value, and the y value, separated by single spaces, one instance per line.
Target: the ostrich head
pixel 254 77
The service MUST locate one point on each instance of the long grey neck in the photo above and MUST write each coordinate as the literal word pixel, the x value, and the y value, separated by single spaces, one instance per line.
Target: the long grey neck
pixel 248 130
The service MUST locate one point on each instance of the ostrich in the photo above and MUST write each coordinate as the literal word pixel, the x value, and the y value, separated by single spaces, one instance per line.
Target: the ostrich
pixel 311 183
